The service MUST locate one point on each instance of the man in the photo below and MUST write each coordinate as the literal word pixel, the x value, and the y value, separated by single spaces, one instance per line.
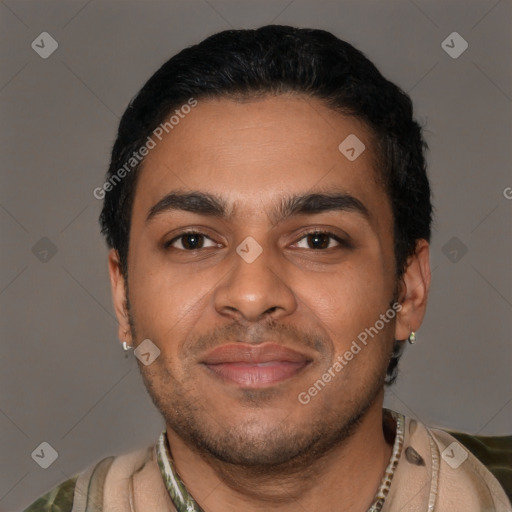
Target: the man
pixel 268 213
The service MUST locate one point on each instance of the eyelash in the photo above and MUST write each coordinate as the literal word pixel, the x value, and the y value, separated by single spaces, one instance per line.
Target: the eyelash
pixel 341 242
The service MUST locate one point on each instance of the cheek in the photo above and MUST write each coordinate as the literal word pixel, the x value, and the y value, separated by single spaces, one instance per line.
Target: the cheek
pixel 348 301
pixel 163 299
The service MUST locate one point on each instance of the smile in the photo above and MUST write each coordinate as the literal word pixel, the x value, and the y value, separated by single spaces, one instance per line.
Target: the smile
pixel 255 366
pixel 255 375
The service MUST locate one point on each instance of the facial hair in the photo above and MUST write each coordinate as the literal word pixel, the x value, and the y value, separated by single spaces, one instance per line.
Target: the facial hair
pixel 280 448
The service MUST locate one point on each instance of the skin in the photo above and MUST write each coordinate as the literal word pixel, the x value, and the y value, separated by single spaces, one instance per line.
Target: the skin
pixel 235 448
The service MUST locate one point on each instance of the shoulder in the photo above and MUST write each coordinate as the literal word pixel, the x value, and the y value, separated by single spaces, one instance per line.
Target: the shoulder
pixel 87 487
pixel 494 452
pixel 478 466
pixel 439 471
pixel 60 498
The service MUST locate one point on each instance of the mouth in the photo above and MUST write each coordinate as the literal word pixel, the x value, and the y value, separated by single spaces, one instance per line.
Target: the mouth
pixel 255 366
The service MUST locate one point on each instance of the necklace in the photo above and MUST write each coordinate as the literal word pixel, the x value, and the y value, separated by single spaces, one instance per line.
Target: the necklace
pixel 184 502
pixel 179 494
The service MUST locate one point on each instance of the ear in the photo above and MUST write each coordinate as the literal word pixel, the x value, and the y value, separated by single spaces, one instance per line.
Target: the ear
pixel 415 285
pixel 118 286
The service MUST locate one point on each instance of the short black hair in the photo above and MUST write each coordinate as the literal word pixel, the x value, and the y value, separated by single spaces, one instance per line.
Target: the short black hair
pixel 278 59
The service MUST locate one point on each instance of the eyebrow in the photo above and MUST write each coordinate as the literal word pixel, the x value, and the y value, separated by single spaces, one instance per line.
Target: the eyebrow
pixel 203 203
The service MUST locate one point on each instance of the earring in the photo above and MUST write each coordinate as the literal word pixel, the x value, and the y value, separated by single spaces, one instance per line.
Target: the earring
pixel 126 347
pixel 412 338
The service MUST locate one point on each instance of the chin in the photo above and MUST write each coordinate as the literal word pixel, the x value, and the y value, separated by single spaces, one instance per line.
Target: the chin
pixel 269 447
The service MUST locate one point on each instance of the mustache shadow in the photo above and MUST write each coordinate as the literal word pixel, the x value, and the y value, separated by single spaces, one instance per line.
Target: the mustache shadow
pixel 255 334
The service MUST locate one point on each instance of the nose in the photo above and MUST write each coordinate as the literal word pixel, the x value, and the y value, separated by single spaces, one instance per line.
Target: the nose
pixel 256 290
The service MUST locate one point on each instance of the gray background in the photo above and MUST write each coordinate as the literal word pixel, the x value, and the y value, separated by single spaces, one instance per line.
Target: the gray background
pixel 64 378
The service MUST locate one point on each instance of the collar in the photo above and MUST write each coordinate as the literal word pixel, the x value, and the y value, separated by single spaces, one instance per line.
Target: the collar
pixel 184 502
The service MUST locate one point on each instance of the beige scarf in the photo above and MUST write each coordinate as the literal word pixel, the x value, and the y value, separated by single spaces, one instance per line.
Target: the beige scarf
pixel 433 473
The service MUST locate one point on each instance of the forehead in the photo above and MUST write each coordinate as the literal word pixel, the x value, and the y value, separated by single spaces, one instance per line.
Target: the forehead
pixel 252 152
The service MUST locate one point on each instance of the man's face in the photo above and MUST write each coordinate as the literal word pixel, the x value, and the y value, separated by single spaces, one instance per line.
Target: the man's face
pixel 242 338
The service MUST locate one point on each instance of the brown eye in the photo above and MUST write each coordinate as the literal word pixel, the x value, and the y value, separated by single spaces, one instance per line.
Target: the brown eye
pixel 319 240
pixel 189 241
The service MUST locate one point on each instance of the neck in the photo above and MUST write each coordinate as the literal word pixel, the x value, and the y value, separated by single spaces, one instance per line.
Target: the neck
pixel 348 475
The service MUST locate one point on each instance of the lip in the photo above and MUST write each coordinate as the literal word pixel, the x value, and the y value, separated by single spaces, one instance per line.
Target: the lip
pixel 255 366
